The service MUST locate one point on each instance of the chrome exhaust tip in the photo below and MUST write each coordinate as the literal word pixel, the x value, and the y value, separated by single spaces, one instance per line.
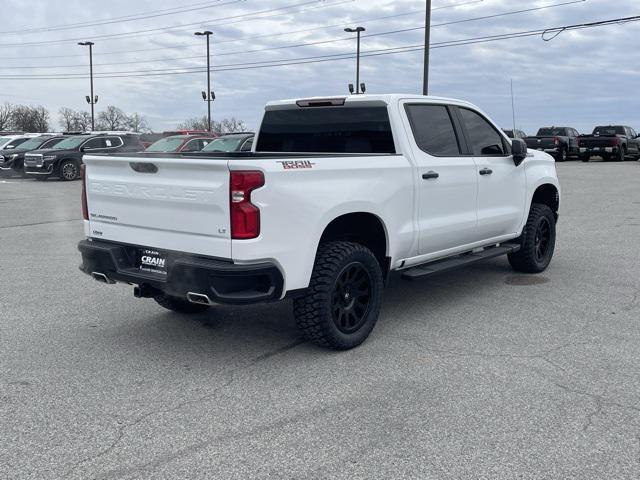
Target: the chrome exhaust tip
pixel 102 278
pixel 199 299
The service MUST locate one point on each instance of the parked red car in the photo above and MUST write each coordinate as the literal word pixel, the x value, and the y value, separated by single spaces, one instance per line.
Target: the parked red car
pixel 181 143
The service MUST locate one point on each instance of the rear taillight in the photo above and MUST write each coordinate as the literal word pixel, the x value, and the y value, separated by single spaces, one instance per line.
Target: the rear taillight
pixel 245 216
pixel 556 141
pixel 615 141
pixel 85 208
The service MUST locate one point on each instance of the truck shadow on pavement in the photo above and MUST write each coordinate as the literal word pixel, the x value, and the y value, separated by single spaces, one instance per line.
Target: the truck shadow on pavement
pixel 267 327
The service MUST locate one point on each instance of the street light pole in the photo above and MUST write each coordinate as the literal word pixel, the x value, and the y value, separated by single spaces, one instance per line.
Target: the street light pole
pixel 92 100
pixel 427 46
pixel 358 31
pixel 208 96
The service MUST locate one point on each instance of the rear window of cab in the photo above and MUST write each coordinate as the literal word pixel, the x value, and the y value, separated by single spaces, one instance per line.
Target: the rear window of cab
pixel 339 129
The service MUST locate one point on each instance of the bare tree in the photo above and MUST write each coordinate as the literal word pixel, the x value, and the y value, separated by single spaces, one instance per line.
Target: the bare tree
pixel 41 118
pixel 230 125
pixel 196 123
pixel 30 119
pixel 227 125
pixel 112 119
pixel 68 119
pixel 82 121
pixel 138 123
pixel 6 116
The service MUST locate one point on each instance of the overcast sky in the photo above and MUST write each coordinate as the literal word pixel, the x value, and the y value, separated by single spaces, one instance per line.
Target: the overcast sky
pixel 579 79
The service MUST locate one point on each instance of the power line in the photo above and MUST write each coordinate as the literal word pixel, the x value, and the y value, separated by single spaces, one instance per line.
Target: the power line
pixel 127 18
pixel 137 33
pixel 349 56
pixel 290 32
pixel 322 42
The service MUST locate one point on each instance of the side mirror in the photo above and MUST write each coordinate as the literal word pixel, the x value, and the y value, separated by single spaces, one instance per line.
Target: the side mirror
pixel 519 151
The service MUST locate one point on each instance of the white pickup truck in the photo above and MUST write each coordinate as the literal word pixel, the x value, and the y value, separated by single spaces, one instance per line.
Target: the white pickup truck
pixel 337 194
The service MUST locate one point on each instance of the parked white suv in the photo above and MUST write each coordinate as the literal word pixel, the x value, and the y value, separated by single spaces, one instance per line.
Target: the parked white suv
pixel 338 193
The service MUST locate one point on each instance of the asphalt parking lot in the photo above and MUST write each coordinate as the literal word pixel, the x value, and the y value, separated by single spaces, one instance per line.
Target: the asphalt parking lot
pixel 475 374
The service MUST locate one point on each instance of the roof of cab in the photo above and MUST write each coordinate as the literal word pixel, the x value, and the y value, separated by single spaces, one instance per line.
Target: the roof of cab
pixel 368 98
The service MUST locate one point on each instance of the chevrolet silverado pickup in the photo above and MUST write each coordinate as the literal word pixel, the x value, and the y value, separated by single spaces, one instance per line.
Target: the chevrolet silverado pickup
pixel 336 195
pixel 613 142
pixel 560 142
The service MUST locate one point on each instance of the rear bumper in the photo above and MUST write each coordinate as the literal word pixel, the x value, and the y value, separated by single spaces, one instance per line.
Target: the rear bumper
pixel 599 150
pixel 221 281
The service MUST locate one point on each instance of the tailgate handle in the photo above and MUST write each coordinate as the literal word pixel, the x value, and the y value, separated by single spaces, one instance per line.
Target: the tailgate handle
pixel 143 167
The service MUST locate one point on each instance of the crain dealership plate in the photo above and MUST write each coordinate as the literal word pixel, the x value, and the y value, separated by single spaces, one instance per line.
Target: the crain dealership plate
pixel 152 261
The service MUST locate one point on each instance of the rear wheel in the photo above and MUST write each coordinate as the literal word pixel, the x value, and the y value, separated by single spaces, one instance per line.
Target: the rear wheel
pixel 69 170
pixel 179 305
pixel 538 241
pixel 342 304
pixel 621 154
pixel 562 155
pixel 585 157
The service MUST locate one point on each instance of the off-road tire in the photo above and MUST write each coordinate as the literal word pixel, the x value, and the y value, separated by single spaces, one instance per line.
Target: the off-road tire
pixel 318 312
pixel 528 258
pixel 179 305
pixel 69 170
pixel 563 155
pixel 585 158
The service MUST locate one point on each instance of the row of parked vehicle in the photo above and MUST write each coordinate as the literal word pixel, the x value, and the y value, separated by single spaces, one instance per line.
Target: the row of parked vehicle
pixel 42 156
pixel 612 142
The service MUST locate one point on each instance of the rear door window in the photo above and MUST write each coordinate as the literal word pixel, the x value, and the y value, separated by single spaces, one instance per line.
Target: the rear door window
pixel 433 129
pixel 341 129
pixel 94 143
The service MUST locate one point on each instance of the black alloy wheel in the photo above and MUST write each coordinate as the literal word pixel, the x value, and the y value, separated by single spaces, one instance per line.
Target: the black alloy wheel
pixel 351 298
pixel 542 239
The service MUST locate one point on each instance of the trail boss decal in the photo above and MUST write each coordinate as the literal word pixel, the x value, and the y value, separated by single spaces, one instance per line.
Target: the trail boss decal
pixel 296 164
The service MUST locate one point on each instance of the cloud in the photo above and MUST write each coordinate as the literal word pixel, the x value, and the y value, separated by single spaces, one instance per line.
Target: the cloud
pixel 579 79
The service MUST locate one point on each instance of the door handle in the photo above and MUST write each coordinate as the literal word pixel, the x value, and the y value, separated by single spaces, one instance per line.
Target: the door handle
pixel 486 171
pixel 430 175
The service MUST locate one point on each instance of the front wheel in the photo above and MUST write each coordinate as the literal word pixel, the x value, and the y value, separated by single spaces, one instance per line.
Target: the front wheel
pixel 69 170
pixel 538 241
pixel 342 304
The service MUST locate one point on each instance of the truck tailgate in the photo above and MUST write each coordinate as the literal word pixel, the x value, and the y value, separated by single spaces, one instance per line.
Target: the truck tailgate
pixel 179 204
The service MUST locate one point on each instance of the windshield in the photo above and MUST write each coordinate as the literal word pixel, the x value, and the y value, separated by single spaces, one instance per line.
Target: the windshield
pixel 550 132
pixel 327 130
pixel 33 143
pixel 70 143
pixel 225 144
pixel 609 131
pixel 168 144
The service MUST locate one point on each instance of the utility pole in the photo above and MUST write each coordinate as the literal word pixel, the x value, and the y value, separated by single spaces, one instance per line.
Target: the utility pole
pixel 208 96
pixel 427 46
pixel 92 100
pixel 358 31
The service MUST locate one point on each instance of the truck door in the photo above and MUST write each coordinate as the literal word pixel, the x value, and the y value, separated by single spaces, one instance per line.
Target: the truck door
pixel 447 180
pixel 501 184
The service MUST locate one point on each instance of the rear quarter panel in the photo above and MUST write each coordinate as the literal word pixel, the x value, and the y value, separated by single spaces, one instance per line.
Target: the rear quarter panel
pixel 296 206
